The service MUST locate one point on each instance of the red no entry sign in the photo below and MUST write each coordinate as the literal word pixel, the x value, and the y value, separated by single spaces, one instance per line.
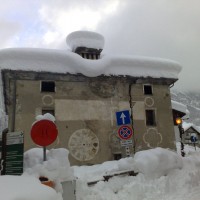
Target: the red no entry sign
pixel 44 132
pixel 125 132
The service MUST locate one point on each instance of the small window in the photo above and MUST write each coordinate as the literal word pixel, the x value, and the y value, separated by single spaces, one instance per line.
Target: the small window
pixel 150 118
pixel 148 89
pixel 47 86
pixel 117 156
pixel 50 111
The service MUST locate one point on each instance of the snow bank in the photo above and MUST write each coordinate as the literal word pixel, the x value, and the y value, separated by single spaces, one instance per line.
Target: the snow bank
pixel 153 163
pixel 56 168
pixel 85 39
pixel 176 184
pixel 96 172
pixel 25 187
pixel 157 162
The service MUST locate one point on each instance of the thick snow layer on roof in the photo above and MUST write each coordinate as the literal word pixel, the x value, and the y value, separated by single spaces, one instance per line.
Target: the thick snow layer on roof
pixel 59 61
pixel 180 107
pixel 85 39
pixel 186 126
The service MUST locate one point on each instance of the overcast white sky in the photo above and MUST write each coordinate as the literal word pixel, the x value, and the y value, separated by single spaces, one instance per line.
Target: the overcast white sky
pixel 159 28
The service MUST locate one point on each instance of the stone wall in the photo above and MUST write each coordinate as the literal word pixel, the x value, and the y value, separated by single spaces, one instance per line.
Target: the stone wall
pixel 85 111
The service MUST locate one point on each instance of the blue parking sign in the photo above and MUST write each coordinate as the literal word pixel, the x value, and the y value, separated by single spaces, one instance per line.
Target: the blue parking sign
pixel 123 117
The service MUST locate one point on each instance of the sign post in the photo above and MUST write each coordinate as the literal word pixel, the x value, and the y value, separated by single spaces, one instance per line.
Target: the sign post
pixel 125 132
pixel 193 139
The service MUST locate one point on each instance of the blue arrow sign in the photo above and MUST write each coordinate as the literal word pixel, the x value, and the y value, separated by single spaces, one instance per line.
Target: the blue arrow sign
pixel 123 117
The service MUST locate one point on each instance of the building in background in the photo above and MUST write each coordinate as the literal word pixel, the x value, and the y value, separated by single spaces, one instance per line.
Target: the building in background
pixel 191 130
pixel 179 110
pixel 84 90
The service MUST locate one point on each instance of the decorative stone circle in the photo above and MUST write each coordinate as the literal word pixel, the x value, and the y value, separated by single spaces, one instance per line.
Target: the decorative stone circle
pixel 83 145
pixel 47 100
pixel 149 101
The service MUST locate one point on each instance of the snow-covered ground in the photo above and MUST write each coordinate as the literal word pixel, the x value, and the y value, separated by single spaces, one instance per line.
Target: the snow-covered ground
pixel 162 175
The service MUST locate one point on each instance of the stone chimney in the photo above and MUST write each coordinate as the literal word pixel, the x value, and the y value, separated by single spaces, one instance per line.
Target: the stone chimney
pixel 87 44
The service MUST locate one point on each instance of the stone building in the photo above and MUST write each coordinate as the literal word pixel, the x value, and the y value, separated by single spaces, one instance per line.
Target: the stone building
pixel 83 90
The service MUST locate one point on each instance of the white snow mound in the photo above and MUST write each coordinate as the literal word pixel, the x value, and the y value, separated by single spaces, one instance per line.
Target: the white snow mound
pixel 157 162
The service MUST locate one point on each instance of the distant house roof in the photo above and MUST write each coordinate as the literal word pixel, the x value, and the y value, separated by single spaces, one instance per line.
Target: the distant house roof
pixel 187 126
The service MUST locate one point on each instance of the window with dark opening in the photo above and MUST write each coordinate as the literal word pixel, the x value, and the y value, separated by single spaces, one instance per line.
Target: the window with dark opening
pixel 148 89
pixel 117 156
pixel 150 118
pixel 50 111
pixel 47 86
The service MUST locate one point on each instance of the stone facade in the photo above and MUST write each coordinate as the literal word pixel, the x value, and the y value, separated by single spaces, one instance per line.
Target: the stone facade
pixel 85 110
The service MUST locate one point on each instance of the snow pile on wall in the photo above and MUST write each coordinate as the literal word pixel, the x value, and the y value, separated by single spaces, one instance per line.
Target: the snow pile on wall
pixel 56 167
pixel 153 163
pixel 85 39
pixel 157 162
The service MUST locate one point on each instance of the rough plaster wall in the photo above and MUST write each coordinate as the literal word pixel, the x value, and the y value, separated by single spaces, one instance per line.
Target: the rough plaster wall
pixel 81 107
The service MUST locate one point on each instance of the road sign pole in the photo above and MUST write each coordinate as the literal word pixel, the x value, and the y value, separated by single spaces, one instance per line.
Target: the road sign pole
pixel 44 153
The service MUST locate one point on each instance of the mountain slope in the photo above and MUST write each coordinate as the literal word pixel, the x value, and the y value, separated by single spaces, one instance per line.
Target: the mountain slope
pixel 192 101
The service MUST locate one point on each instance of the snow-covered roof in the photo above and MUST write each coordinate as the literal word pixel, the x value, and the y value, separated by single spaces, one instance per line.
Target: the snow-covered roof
pixel 85 39
pixel 180 107
pixel 63 61
pixel 186 126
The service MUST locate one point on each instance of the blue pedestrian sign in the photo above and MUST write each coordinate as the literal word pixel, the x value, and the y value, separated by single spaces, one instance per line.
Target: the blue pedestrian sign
pixel 123 117
pixel 193 138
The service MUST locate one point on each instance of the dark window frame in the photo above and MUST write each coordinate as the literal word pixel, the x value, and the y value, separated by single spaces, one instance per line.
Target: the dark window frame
pixel 150 117
pixel 148 89
pixel 117 156
pixel 48 86
pixel 48 110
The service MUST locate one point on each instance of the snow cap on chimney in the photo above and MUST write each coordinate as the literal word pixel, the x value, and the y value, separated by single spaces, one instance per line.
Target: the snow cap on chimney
pixel 86 39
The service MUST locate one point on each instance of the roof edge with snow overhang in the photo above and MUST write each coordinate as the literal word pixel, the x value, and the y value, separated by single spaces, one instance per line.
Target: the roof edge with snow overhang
pixel 62 61
pixel 180 107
